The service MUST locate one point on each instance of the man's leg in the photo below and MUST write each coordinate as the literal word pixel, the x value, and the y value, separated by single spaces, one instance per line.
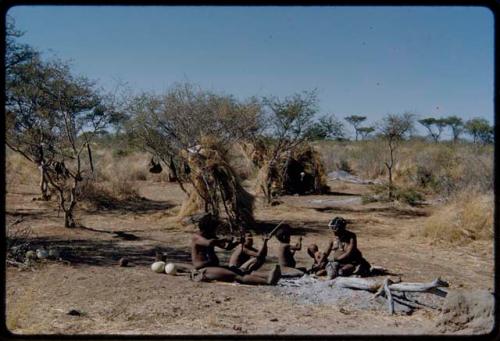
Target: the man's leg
pixel 213 274
pixel 226 275
pixel 271 279
pixel 291 272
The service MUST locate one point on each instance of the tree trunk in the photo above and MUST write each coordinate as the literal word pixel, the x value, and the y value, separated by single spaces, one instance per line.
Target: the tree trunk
pixel 389 168
pixel 44 186
pixel 269 185
pixel 69 220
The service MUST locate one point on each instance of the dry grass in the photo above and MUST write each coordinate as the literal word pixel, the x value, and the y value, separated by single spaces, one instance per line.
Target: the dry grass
pixel 105 194
pixel 19 310
pixel 443 168
pixel 19 171
pixel 130 167
pixel 468 216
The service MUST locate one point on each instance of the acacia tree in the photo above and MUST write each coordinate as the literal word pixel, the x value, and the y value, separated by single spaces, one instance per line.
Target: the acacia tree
pixel 365 131
pixel 29 123
pixel 165 125
pixel 355 121
pixel 16 53
pixel 175 128
pixel 51 118
pixel 327 127
pixel 480 130
pixel 288 121
pixel 431 122
pixel 456 125
pixel 82 112
pixel 393 129
pixel 28 127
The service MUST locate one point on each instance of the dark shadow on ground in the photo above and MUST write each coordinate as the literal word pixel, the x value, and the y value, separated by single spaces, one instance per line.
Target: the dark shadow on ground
pixel 117 234
pixel 108 253
pixel 139 205
pixel 384 211
pixel 342 194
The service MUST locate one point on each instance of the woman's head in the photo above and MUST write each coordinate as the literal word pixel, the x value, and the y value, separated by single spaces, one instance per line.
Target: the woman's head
pixel 337 224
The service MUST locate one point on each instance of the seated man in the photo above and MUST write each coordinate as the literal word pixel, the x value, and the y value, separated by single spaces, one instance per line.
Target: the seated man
pixel 206 262
pixel 320 259
pixel 246 258
pixel 347 259
pixel 203 244
pixel 287 251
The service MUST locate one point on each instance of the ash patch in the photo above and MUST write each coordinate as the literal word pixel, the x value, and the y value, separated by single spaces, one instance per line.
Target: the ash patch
pixel 311 290
pixel 347 177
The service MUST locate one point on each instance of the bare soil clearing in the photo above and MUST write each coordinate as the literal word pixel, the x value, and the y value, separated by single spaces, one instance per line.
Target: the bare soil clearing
pixel 135 300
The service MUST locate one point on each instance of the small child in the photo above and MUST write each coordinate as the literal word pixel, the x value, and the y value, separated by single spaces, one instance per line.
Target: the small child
pixel 287 251
pixel 320 259
pixel 246 258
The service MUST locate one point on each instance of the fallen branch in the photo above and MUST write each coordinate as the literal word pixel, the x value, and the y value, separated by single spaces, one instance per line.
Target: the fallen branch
pixel 419 287
pixel 15 263
pixel 388 294
pixel 385 288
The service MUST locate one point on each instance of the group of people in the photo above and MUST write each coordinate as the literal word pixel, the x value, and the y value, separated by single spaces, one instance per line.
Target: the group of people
pixel 246 261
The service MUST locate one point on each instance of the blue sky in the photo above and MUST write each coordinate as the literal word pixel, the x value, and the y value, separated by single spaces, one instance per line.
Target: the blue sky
pixel 363 60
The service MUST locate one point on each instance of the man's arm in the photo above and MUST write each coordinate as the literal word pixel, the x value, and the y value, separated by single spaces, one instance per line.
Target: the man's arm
pixel 250 252
pixel 297 246
pixel 229 243
pixel 202 241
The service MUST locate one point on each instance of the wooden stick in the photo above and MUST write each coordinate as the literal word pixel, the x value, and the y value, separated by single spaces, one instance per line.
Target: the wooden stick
pixel 270 234
pixel 388 294
pixel 357 283
pixel 418 287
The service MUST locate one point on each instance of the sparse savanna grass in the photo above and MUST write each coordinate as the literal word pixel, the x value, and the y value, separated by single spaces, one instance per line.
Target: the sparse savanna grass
pixel 128 167
pixel 106 194
pixel 444 168
pixel 19 310
pixel 19 171
pixel 466 217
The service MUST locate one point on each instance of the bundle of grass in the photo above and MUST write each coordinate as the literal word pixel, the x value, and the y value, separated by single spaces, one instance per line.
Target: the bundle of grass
pixel 299 171
pixel 216 187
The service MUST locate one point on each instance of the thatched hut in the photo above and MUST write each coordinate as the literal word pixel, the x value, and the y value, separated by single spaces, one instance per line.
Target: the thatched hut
pixel 216 188
pixel 299 171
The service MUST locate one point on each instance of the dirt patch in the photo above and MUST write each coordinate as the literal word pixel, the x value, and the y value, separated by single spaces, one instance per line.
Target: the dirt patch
pixel 135 300
pixel 468 312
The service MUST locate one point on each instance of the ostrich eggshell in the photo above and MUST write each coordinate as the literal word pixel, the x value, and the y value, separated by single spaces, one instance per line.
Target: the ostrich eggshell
pixel 170 269
pixel 158 267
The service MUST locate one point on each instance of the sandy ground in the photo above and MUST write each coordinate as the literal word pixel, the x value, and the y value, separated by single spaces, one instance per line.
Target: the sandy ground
pixel 134 300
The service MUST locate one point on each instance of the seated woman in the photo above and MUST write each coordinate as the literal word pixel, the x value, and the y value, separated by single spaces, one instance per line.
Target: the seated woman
pixel 347 259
